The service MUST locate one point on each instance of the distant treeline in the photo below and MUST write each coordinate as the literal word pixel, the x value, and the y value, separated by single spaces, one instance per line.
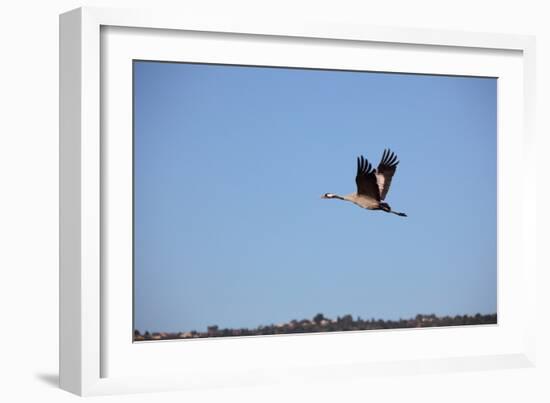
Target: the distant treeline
pixel 320 323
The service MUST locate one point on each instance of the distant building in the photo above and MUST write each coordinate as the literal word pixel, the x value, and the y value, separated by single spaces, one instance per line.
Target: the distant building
pixel 185 335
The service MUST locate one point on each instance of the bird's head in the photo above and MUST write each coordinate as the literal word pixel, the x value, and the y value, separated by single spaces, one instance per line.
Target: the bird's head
pixel 329 196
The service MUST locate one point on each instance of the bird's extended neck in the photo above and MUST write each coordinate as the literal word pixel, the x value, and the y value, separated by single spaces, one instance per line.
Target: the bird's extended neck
pixel 333 196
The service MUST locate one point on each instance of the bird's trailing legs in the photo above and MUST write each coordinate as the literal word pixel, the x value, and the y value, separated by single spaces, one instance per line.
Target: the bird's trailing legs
pixel 397 213
pixel 386 207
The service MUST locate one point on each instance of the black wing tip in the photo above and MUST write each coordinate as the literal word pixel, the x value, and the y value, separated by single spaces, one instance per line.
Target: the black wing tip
pixel 364 167
pixel 389 158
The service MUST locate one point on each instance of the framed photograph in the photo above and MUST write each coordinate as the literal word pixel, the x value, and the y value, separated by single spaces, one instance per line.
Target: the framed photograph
pixel 254 202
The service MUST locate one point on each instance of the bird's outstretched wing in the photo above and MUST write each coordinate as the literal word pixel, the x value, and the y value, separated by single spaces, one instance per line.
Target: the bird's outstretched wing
pixel 366 179
pixel 385 171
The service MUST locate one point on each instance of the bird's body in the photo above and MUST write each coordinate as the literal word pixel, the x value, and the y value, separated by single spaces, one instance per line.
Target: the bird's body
pixel 372 184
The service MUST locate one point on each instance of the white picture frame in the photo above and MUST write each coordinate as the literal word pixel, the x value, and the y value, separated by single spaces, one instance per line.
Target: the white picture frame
pixel 92 350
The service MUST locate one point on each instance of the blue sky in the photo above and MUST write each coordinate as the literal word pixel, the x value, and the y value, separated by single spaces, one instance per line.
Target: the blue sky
pixel 229 166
